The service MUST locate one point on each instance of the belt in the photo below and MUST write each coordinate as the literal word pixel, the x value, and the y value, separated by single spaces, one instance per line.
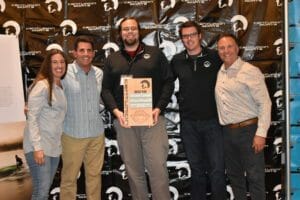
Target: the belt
pixel 243 123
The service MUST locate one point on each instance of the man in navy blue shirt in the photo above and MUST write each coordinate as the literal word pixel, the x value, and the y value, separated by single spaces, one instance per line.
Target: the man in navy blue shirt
pixel 196 69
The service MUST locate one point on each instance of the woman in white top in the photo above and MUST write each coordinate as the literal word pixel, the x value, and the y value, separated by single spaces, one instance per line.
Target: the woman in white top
pixel 47 106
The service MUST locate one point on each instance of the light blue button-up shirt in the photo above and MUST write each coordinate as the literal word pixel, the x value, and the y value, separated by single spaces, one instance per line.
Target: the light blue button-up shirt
pixel 83 119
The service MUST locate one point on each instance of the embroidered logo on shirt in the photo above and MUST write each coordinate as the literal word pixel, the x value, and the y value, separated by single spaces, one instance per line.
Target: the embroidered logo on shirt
pixel 207 64
pixel 147 56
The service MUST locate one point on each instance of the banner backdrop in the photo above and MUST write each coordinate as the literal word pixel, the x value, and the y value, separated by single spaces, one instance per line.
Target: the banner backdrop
pixel 41 25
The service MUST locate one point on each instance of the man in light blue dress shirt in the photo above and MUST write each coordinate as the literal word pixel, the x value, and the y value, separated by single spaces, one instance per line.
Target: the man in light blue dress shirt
pixel 83 137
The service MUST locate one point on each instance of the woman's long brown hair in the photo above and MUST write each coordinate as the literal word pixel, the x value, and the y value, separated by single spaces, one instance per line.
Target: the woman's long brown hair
pixel 45 72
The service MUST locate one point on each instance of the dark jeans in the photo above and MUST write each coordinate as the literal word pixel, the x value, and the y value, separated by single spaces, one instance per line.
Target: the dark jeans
pixel 240 158
pixel 203 144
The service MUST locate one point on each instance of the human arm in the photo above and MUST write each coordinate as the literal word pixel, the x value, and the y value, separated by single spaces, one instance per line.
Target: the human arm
pixel 259 93
pixel 38 99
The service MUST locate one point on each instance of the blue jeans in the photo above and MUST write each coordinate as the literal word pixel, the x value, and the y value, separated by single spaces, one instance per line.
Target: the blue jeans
pixel 42 175
pixel 203 144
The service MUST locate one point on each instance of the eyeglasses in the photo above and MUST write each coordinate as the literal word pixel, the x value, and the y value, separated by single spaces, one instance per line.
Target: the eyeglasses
pixel 191 35
pixel 132 28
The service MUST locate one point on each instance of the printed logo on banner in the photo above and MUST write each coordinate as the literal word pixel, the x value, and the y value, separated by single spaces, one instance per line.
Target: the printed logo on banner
pixel 112 147
pixel 2 5
pixel 174 193
pixel 230 192
pixel 279 100
pixel 25 6
pixel 54 46
pixel 267 23
pixel 173 146
pixel 279 3
pixel 54 5
pixel 277 192
pixel 83 5
pixel 277 145
pixel 250 1
pixel 110 47
pixel 67 25
pixel 12 28
pixel 278 44
pixel 110 5
pixel 123 172
pixel 182 167
pixel 240 23
pixel 178 20
pixel 225 3
pixel 55 193
pixel 167 4
pixel 114 193
pixel 168 48
pixel 195 1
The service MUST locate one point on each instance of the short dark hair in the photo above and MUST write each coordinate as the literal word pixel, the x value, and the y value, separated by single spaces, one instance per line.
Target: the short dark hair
pixel 128 18
pixel 84 38
pixel 228 35
pixel 189 24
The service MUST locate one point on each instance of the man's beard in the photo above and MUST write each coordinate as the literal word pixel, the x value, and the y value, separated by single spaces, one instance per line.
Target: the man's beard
pixel 130 42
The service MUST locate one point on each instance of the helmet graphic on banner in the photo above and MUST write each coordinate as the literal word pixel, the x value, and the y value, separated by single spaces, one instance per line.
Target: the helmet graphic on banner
pixel 2 5
pixel 114 193
pixel 173 146
pixel 110 5
pixel 54 46
pixel 68 23
pixel 277 144
pixel 169 48
pixel 277 191
pixel 11 24
pixel 174 193
pixel 123 172
pixel 112 147
pixel 55 192
pixel 238 20
pixel 278 43
pixel 178 21
pixel 279 3
pixel 51 7
pixel 167 4
pixel 230 192
pixel 119 22
pixel 182 167
pixel 279 101
pixel 108 47
pixel 223 4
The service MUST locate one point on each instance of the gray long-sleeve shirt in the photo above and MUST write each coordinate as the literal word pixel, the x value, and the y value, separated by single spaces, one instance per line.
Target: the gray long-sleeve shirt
pixel 44 124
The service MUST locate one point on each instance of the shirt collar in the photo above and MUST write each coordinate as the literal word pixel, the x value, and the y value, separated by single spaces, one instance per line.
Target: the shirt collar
pixel 77 69
pixel 235 66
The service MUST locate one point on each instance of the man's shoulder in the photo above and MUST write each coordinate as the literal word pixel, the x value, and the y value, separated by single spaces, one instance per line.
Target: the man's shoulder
pixel 152 49
pixel 210 52
pixel 179 56
pixel 114 54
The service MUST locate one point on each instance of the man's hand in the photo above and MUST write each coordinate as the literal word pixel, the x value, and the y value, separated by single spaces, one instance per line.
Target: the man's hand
pixel 155 115
pixel 39 157
pixel 120 116
pixel 258 143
